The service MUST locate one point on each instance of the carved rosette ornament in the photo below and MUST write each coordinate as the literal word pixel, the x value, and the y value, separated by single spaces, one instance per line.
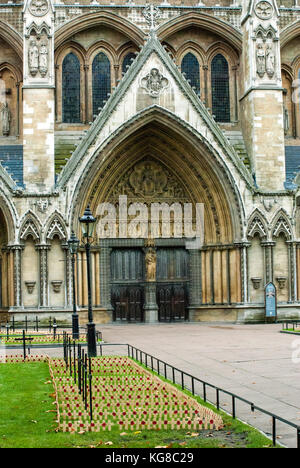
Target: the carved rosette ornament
pixel 264 10
pixel 39 7
pixel 154 83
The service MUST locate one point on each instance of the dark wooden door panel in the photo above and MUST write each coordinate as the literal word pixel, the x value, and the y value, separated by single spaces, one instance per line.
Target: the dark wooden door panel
pixel 172 302
pixel 128 303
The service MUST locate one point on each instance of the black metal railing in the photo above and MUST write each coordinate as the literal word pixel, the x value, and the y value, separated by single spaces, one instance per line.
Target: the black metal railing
pixel 188 382
pixel 32 324
pixel 80 368
pixel 26 340
pixel 293 324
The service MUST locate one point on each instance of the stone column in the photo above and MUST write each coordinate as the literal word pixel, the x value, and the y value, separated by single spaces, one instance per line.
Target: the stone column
pixel 44 296
pixel 268 253
pixel 86 82
pixel 261 97
pixel 38 96
pixel 68 276
pixel 205 68
pixel 105 275
pixel 243 246
pixel 292 246
pixel 17 250
pixel 150 306
pixel 195 293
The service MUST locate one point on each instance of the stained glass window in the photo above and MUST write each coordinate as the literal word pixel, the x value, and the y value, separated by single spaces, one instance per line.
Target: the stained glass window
pixel 190 66
pixel 220 89
pixel 71 89
pixel 127 61
pixel 101 81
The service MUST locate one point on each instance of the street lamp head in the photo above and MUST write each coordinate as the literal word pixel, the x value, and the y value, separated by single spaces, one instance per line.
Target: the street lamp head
pixel 73 243
pixel 87 223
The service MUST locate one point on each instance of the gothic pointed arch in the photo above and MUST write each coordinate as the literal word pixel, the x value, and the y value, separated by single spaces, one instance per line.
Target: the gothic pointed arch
pixel 191 68
pixel 90 20
pixel 257 225
pixel 55 226
pixel 71 109
pixel 187 20
pixel 158 137
pixel 12 37
pixel 281 225
pixel 288 33
pixel 30 226
pixel 10 217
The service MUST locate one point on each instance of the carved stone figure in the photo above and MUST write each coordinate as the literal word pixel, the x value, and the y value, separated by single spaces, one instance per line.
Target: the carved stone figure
pixel 30 285
pixel 260 60
pixel 43 58
pixel 33 58
pixel 154 82
pixel 270 61
pixel 150 260
pixel 56 285
pixel 6 118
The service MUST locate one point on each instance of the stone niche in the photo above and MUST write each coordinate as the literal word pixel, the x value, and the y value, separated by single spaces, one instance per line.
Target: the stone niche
pixel 256 271
pixel 281 269
pixel 30 272
pixel 56 268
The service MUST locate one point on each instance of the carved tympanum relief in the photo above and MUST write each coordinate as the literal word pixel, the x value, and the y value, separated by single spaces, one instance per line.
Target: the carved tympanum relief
pixel 150 181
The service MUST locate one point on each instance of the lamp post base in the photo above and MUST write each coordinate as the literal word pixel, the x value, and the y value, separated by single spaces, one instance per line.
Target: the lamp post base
pixel 75 326
pixel 91 339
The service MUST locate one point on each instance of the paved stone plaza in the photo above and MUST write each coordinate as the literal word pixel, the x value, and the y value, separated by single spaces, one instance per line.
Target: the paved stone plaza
pixel 253 361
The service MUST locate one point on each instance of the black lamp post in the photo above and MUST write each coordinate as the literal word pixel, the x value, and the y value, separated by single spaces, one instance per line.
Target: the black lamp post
pixel 88 224
pixel 73 244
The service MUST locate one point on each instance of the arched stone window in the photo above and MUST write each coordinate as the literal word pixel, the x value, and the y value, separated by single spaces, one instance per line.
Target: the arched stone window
pixel 127 61
pixel 71 89
pixel 101 81
pixel 190 66
pixel 220 88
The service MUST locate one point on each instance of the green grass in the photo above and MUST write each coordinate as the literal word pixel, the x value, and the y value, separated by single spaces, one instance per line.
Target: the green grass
pixel 27 420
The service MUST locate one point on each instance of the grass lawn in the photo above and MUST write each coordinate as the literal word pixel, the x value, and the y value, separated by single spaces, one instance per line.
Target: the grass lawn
pixel 28 419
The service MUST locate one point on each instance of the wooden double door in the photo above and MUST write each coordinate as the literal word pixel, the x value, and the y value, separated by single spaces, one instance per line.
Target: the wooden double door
pixel 128 284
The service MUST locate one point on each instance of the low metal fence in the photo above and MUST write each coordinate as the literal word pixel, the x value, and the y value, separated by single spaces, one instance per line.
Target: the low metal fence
pixel 28 341
pixel 290 324
pixel 178 376
pixel 32 324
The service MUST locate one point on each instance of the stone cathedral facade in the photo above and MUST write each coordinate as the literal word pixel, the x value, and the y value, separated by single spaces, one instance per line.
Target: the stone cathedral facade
pixel 174 102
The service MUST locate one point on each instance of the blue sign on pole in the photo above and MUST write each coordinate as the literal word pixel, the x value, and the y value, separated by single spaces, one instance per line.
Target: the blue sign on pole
pixel 271 301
